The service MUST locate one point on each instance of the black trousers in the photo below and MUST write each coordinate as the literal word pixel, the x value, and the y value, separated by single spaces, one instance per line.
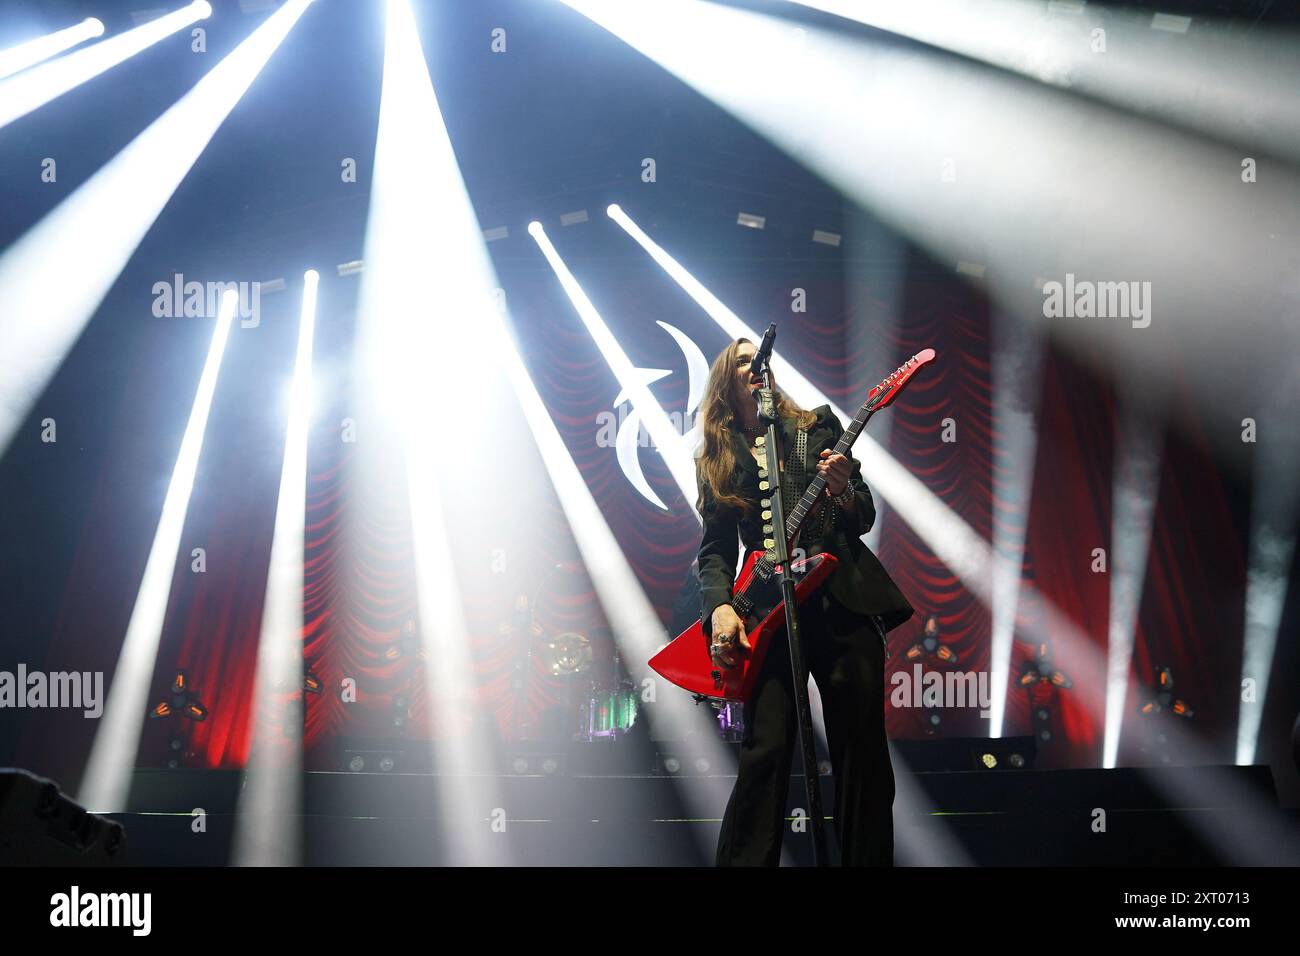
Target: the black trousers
pixel 846 655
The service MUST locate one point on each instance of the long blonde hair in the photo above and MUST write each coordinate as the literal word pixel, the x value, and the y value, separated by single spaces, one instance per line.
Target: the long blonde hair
pixel 717 460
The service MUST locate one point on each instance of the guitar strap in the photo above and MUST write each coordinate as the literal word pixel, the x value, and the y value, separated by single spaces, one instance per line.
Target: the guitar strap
pixel 819 523
pixel 797 468
pixel 796 471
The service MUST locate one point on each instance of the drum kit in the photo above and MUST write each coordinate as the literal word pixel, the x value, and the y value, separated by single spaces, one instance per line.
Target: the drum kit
pixel 604 701
pixel 607 700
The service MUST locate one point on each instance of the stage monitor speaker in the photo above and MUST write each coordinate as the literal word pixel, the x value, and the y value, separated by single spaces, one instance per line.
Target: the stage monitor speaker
pixel 40 826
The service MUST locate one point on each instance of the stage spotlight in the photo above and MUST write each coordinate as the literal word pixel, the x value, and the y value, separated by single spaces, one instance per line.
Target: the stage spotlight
pixel 107 777
pixel 797 93
pixel 1135 490
pixel 31 90
pixel 357 763
pixel 1003 754
pixel 667 440
pixel 20 57
pixel 1273 510
pixel 421 217
pixel 1042 670
pixel 532 764
pixel 929 645
pixel 177 756
pixel 406 645
pixel 272 785
pixel 311 683
pixel 1205 81
pixel 1043 724
pixel 1162 697
pixel 93 233
pixel 183 701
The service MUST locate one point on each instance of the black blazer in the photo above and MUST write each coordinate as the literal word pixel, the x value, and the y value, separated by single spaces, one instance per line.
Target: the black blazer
pixel 859 581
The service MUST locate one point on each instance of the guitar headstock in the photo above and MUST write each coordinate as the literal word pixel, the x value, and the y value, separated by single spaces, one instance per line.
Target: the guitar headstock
pixel 892 385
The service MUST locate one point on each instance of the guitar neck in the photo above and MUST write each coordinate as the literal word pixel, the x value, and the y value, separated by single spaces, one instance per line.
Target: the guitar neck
pixel 804 507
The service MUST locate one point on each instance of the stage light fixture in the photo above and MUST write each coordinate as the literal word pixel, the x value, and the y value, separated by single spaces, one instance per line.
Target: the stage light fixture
pixel 420 214
pixel 20 57
pixel 407 644
pixel 272 782
pixel 667 440
pixel 106 781
pixel 35 87
pixel 1042 670
pixel 1162 697
pixel 181 700
pixel 93 232
pixel 929 645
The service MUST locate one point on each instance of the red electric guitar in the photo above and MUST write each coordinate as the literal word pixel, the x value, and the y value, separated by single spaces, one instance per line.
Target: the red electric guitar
pixel 757 593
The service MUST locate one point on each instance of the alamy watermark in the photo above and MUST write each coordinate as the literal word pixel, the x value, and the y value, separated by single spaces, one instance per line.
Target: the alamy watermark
pixel 1083 299
pixel 920 688
pixel 202 300
pixel 133 911
pixel 610 423
pixel 74 689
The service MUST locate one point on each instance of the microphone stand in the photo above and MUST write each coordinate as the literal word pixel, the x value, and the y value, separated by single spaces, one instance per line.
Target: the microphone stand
pixel 767 414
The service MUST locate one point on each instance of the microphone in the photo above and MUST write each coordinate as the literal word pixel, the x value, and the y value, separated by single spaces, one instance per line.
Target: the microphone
pixel 764 351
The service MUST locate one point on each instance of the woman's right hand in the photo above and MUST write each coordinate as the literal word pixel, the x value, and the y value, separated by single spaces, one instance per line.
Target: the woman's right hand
pixel 729 639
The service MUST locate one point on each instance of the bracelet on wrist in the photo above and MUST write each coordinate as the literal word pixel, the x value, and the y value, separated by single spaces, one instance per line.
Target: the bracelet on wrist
pixel 844 498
